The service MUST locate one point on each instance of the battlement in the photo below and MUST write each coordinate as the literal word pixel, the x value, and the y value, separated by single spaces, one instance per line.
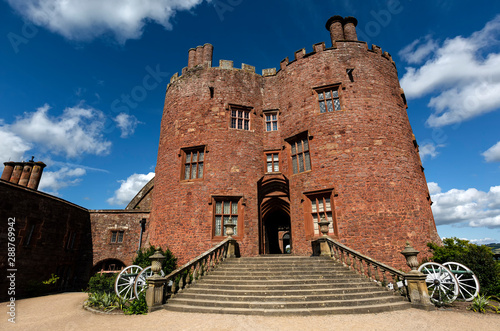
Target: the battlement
pixel 341 30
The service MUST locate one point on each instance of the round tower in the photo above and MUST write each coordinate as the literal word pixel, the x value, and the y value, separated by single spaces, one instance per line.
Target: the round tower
pixel 325 137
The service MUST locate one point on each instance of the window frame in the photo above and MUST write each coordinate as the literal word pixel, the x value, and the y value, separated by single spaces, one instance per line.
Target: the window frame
pixel 273 161
pixel 271 121
pixel 238 200
pixel 294 143
pixel 245 111
pixel 313 198
pixel 322 90
pixel 188 151
pixel 115 234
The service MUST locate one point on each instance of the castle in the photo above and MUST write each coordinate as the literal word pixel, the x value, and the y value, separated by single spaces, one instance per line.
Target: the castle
pixel 326 136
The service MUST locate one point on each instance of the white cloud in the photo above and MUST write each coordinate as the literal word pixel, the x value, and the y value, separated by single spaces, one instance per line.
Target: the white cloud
pixel 414 55
pixel 465 77
pixel 433 188
pixel 467 207
pixel 77 131
pixel 428 149
pixel 493 153
pixel 86 20
pixel 129 188
pixel 483 241
pixel 12 147
pixel 126 123
pixel 52 181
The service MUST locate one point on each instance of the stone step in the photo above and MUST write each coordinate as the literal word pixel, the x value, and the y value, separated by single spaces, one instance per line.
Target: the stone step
pixel 283 281
pixel 278 297
pixel 302 311
pixel 284 304
pixel 312 268
pixel 290 291
pixel 283 287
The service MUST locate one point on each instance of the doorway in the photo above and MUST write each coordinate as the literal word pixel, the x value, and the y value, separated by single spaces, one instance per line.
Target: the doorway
pixel 275 234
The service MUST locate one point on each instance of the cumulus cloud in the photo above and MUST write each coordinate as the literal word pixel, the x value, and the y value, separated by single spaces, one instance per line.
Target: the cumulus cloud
pixel 12 147
pixel 483 241
pixel 429 149
pixel 418 50
pixel 126 123
pixel 493 153
pixel 86 20
pixel 77 131
pixel 52 181
pixel 466 207
pixel 129 188
pixel 462 74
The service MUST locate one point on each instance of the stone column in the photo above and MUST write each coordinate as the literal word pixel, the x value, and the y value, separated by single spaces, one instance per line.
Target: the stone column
pixel 417 288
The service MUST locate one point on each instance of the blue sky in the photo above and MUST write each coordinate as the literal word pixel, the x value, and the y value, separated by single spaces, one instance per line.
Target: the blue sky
pixel 82 86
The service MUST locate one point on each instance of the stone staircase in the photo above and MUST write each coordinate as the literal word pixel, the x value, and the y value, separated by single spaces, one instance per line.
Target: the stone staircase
pixel 284 285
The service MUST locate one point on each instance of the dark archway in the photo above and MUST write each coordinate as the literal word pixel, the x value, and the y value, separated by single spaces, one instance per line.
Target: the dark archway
pixel 274 214
pixel 276 224
pixel 108 266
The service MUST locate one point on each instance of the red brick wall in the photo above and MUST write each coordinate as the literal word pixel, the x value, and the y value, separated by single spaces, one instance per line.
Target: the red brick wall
pixel 365 152
pixel 105 221
pixel 55 220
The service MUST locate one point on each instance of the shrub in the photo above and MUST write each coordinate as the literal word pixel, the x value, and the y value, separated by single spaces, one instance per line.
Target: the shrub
pixel 102 283
pixel 478 258
pixel 138 306
pixel 480 303
pixel 168 265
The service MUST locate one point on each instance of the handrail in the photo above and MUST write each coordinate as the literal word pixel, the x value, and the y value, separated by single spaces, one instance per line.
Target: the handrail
pixel 197 267
pixel 362 264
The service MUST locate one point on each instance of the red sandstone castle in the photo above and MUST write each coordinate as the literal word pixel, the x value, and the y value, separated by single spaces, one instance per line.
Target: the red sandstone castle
pixel 326 136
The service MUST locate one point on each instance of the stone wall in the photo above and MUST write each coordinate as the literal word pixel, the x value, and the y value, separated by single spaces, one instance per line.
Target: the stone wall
pixel 53 236
pixel 105 222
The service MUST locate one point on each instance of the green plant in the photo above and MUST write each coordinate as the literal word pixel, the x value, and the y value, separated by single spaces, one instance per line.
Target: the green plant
pixel 478 258
pixel 101 283
pixel 480 303
pixel 52 280
pixel 168 265
pixel 138 306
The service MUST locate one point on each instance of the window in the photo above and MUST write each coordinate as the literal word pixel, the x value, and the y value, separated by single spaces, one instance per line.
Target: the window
pixel 117 237
pixel 321 207
pixel 301 160
pixel 271 121
pixel 329 99
pixel 29 235
pixel 272 162
pixel 240 119
pixel 70 242
pixel 226 211
pixel 193 163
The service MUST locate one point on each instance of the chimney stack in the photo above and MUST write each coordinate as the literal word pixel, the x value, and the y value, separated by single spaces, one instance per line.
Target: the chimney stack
pixel 200 55
pixel 342 29
pixel 27 174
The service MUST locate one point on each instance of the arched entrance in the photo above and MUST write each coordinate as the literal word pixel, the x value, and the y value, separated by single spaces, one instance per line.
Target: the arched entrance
pixel 274 215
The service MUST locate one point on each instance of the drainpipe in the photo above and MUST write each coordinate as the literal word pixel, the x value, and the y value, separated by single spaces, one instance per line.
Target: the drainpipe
pixel 143 228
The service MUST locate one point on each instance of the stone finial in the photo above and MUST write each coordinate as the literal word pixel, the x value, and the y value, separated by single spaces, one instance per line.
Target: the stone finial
pixel 410 254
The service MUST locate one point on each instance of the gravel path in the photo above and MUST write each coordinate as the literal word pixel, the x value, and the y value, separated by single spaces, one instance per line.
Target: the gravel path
pixel 64 312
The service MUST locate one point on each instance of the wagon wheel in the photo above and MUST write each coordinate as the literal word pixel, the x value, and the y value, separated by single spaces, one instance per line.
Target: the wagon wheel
pixel 441 284
pixel 467 282
pixel 124 284
pixel 140 281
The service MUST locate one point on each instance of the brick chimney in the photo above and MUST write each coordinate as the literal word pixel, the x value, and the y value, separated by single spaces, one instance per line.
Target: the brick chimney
pixel 200 55
pixel 342 29
pixel 27 174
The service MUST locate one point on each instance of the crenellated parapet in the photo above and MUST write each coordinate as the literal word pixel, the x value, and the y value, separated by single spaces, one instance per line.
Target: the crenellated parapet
pixel 342 33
